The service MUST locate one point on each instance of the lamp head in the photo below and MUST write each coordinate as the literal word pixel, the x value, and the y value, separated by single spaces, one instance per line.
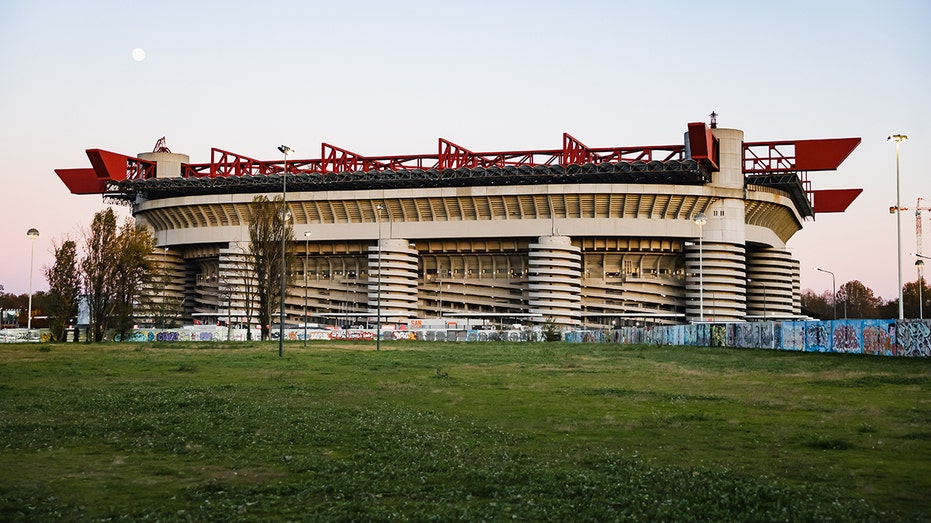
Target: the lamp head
pixel 33 233
pixel 285 150
pixel 700 219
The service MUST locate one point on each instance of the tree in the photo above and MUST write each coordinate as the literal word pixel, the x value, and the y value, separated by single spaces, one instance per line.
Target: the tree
pixel 114 269
pixel 817 305
pixel 163 310
pixel 133 245
pixel 267 227
pixel 98 271
pixel 910 295
pixel 858 300
pixel 64 288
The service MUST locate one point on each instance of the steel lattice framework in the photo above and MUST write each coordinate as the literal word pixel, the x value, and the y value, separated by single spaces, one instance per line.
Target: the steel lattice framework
pixel 780 164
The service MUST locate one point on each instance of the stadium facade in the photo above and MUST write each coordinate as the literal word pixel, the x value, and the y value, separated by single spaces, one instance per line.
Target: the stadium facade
pixel 580 235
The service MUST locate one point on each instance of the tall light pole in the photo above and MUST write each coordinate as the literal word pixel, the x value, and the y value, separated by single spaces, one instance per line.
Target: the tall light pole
pixel 700 220
pixel 306 253
pixel 899 138
pixel 32 234
pixel 921 283
pixel 379 208
pixel 285 150
pixel 833 286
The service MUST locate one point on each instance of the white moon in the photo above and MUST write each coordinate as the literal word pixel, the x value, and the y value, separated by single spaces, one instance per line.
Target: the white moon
pixel 138 54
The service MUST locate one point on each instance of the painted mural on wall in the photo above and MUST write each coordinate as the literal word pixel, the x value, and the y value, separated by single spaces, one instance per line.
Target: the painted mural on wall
pixel 874 337
pixel 909 338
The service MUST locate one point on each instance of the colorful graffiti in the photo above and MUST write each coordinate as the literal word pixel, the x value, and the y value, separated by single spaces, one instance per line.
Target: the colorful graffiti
pixel 909 338
pixel 875 337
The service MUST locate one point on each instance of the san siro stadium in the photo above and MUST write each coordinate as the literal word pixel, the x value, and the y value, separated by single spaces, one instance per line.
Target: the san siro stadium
pixel 578 236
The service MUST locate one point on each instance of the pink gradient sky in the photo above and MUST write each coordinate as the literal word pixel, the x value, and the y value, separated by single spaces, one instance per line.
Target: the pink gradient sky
pixel 392 77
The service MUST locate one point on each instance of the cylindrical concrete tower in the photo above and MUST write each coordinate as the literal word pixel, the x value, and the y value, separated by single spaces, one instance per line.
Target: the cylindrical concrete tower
pixel 715 289
pixel 393 279
pixel 555 280
pixel 167 165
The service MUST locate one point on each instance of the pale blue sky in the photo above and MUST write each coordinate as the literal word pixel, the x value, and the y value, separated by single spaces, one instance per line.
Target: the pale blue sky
pixel 391 77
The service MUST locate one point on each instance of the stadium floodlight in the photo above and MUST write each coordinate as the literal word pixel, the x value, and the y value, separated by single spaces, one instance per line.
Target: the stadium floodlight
pixel 899 138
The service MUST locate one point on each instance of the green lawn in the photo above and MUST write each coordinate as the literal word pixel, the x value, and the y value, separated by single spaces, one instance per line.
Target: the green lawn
pixel 445 431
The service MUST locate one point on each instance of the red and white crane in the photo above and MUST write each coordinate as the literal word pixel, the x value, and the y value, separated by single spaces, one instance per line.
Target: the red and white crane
pixel 918 209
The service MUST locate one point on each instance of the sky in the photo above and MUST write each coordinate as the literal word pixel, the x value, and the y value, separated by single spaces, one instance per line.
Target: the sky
pixel 390 77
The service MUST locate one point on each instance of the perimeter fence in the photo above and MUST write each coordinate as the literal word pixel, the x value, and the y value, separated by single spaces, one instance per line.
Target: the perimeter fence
pixel 911 338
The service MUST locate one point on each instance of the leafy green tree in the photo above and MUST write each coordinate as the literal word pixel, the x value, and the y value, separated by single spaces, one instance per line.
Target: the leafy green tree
pixel 114 269
pixel 551 331
pixel 64 288
pixel 99 270
pixel 267 226
pixel 132 267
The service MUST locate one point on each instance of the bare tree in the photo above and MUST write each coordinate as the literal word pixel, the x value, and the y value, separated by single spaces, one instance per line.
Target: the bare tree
pixel 818 305
pixel 243 272
pixel 64 288
pixel 267 227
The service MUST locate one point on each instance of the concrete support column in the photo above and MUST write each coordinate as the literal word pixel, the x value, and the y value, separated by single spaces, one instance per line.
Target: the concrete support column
pixel 718 280
pixel 770 283
pixel 555 280
pixel 715 285
pixel 393 280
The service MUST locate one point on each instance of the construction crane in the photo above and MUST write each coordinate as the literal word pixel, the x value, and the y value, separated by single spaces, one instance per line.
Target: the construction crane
pixel 918 209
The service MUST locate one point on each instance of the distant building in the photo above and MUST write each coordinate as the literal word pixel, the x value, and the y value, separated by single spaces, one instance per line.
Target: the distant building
pixel 574 236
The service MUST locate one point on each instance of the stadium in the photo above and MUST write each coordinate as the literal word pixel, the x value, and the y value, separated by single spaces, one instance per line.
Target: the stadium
pixel 576 236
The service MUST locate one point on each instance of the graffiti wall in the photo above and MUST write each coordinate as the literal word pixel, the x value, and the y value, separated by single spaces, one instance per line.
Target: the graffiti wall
pixel 911 338
pixel 876 337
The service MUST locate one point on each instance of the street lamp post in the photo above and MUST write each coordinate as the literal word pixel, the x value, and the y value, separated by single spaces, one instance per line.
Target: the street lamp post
pixel 32 234
pixel 700 220
pixel 379 208
pixel 833 286
pixel 899 138
pixel 921 283
pixel 285 150
pixel 306 253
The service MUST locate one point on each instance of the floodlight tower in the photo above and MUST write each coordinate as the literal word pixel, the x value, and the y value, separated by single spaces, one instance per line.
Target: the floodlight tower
pixel 899 138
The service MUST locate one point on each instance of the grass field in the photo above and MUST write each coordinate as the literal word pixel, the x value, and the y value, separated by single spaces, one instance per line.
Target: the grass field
pixel 421 431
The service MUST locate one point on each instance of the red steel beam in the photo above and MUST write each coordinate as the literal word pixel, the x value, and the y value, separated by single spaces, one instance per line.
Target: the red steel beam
pixel 796 155
pixel 833 200
pixel 82 181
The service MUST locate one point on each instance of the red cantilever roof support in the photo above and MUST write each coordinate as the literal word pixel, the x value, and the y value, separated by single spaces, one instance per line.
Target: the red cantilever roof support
pixel 338 160
pixel 574 151
pixel 703 145
pixel 796 155
pixel 792 158
pixel 452 156
pixel 833 200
